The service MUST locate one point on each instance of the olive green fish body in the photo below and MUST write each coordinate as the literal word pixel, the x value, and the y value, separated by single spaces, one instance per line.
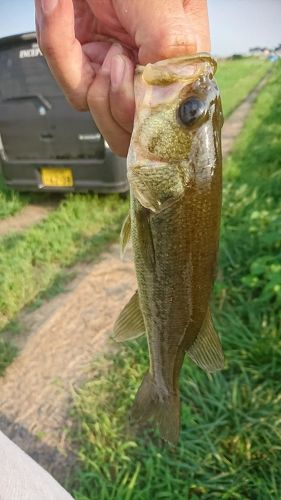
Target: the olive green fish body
pixel 175 287
pixel 174 169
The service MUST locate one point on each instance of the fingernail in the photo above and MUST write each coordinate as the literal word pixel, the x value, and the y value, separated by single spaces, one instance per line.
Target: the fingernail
pixel 106 65
pixel 118 67
pixel 114 50
pixel 48 6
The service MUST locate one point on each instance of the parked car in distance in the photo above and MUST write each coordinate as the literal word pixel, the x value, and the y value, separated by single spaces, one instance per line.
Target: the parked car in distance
pixel 45 145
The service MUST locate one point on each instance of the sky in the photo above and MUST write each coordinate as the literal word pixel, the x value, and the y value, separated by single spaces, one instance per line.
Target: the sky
pixel 236 25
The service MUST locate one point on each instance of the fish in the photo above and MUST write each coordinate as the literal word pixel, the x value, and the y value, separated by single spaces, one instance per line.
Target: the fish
pixel 174 170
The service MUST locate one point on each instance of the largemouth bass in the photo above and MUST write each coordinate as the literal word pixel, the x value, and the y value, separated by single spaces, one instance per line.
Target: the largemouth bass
pixel 174 171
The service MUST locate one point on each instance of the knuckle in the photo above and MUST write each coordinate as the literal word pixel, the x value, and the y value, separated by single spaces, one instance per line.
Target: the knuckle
pixel 47 48
pixel 175 43
pixel 47 44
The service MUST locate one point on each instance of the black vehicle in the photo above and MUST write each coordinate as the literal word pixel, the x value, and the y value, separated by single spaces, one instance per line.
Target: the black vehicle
pixel 44 143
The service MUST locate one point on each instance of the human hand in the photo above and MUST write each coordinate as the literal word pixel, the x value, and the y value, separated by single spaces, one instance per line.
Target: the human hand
pixel 92 48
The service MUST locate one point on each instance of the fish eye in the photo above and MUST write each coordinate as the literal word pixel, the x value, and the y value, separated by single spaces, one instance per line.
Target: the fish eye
pixel 191 110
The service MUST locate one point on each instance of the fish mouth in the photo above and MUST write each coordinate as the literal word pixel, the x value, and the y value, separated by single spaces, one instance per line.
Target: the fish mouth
pixel 172 70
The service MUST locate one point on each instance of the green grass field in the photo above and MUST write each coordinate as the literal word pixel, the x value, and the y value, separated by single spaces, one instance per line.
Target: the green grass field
pixel 230 445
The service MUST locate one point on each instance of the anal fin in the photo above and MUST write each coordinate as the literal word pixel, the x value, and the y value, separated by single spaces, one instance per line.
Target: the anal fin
pixel 206 351
pixel 129 325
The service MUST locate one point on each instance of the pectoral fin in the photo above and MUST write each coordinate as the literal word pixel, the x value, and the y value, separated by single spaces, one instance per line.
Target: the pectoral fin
pixel 206 351
pixel 125 234
pixel 145 237
pixel 129 324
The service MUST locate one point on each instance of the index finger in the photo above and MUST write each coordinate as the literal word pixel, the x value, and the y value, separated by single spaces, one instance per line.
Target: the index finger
pixel 65 57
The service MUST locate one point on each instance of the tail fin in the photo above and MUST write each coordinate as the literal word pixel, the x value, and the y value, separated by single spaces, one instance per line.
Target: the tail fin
pixel 162 409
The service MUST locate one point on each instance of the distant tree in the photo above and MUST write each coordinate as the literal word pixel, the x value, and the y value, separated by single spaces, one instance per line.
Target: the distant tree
pixel 237 56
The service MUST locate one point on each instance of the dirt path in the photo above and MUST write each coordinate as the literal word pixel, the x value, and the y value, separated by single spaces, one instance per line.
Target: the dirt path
pixel 64 336
pixel 61 338
pixel 28 216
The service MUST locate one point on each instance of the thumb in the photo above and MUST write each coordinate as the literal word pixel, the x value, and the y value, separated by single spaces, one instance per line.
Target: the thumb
pixel 174 38
pixel 167 28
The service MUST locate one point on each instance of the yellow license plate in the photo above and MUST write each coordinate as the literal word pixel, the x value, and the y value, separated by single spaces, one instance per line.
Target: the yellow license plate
pixel 57 177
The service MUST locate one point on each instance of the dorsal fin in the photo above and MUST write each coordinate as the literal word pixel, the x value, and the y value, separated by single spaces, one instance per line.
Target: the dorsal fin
pixel 129 324
pixel 206 351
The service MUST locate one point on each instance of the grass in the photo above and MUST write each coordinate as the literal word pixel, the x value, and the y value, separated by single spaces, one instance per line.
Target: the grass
pixel 230 446
pixel 31 262
pixel 236 78
pixel 7 353
pixel 11 202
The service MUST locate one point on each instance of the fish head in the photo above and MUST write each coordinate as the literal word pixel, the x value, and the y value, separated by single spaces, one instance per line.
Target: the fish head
pixel 176 136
